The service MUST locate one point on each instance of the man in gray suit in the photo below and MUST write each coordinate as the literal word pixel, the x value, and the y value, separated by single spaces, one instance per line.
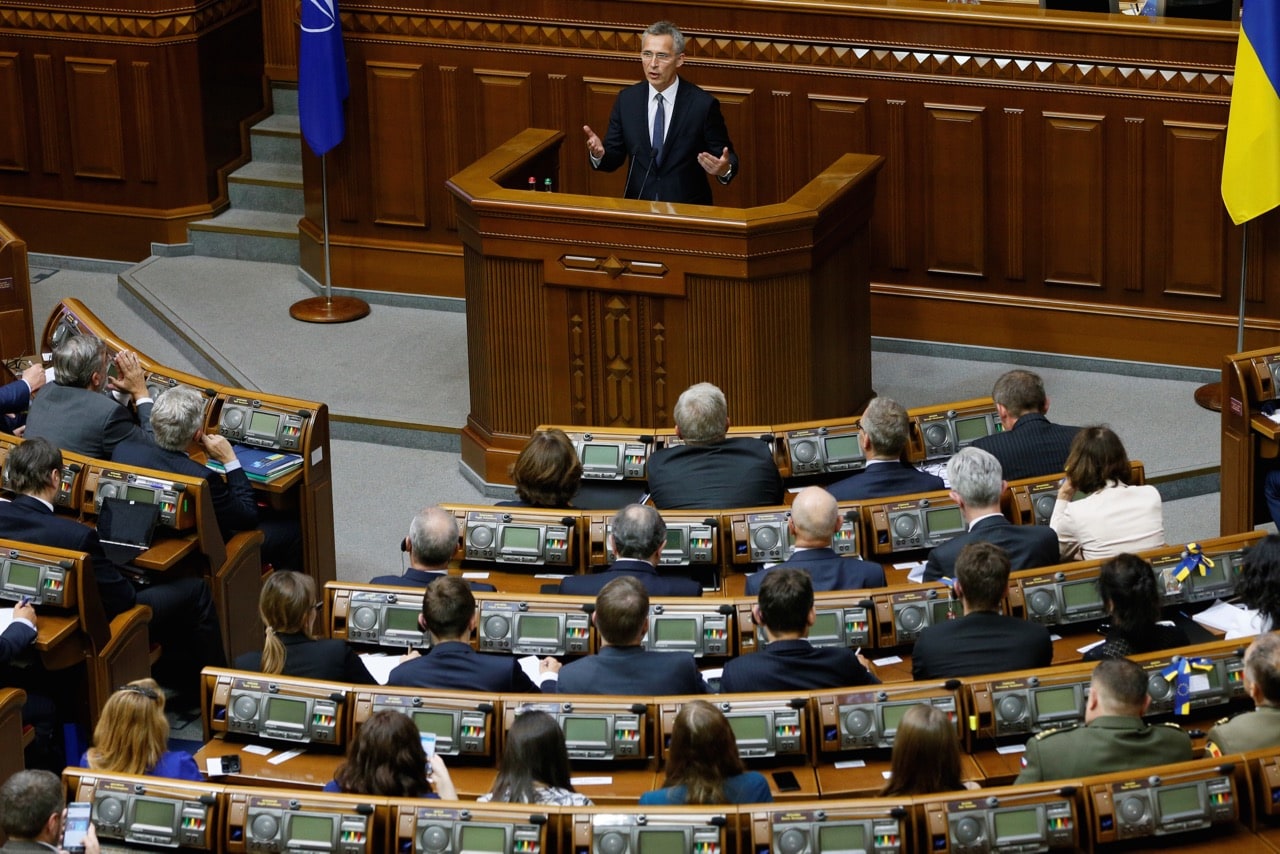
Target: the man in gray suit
pixel 32 814
pixel 74 414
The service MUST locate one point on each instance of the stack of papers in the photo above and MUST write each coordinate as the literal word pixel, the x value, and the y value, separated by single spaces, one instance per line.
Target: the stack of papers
pixel 1236 620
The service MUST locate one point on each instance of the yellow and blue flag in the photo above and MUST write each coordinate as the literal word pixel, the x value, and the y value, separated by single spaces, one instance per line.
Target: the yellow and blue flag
pixel 1251 168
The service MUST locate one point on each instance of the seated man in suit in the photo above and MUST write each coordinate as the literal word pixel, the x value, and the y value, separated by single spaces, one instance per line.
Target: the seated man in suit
pixel 39 711
pixel 976 485
pixel 814 520
pixel 789 662
pixel 1030 445
pixel 75 415
pixel 884 429
pixel 449 616
pixel 432 540
pixel 638 534
pixel 983 640
pixel 1114 736
pixel 623 666
pixel 33 814
pixel 177 423
pixel 1261 727
pixel 183 619
pixel 710 471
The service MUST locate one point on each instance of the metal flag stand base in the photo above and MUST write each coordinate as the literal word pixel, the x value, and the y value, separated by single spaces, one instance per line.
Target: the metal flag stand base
pixel 327 309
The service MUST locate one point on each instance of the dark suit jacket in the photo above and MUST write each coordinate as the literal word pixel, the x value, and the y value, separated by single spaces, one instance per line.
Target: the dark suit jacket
pixel 1028 546
pixel 1034 447
pixel 787 665
pixel 653 581
pixel 738 472
pixel 322 658
pixel 83 421
pixel 694 125
pixel 828 571
pixel 233 502
pixel 884 480
pixel 454 665
pixel 28 520
pixel 632 671
pixel 984 642
pixel 15 638
pixel 421 578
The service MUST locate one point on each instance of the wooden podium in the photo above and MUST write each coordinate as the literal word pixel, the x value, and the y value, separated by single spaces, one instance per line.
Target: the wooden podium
pixel 600 311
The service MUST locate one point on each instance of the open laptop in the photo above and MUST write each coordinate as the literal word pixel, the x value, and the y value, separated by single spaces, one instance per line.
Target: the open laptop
pixel 126 528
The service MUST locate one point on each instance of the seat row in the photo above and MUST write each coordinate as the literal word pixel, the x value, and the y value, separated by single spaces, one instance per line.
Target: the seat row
pixel 722 627
pixel 1226 801
pixel 821 729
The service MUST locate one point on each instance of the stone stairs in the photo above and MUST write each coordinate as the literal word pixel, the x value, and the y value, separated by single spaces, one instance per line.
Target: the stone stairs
pixel 266 194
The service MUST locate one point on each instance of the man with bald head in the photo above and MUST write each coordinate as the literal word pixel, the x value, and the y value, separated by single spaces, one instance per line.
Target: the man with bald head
pixel 815 518
pixel 432 540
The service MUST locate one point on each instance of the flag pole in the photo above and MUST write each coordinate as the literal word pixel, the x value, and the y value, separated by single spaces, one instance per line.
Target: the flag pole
pixel 323 87
pixel 326 309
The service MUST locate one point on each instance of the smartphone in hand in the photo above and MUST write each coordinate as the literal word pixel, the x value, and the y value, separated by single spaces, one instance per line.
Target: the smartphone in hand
pixel 428 747
pixel 77 826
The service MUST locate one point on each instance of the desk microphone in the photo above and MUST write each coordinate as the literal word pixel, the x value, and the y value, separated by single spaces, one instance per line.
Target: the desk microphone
pixel 653 156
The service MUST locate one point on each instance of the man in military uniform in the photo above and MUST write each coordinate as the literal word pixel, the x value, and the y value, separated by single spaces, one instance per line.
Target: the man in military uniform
pixel 1114 736
pixel 1261 727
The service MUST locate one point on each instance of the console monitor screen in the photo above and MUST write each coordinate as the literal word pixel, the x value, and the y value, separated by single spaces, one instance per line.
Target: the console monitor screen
pixel 662 842
pixel 842 447
pixel 841 837
pixel 943 519
pixel 282 710
pixel 749 727
pixel 685 631
pixel 968 429
pixel 585 730
pixel 892 716
pixel 403 619
pixel 1178 801
pixel 139 493
pixel 1055 701
pixel 521 538
pixel 826 625
pixel 154 813
pixel 600 456
pixel 264 423
pixel 1012 825
pixel 1081 595
pixel 311 828
pixel 23 575
pixel 675 539
pixel 437 723
pixel 478 839
pixel 537 627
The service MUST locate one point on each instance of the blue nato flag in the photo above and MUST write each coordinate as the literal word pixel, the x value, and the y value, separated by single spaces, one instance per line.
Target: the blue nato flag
pixel 322 76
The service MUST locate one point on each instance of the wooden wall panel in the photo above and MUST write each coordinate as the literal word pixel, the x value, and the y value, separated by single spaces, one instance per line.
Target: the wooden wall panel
pixel 511 290
pixel 13 129
pixel 1015 192
pixel 94 113
pixel 738 107
pixel 397 151
pixel 47 107
pixel 1130 208
pixel 892 202
pixel 1193 184
pixel 597 102
pixel 1073 173
pixel 145 123
pixel 956 189
pixel 504 106
pixel 837 125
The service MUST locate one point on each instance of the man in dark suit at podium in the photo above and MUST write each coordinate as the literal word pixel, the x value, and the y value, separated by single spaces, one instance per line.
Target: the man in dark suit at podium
pixel 671 130
pixel 814 520
pixel 976 485
pixel 638 534
pixel 1029 446
pixel 710 471
pixel 884 428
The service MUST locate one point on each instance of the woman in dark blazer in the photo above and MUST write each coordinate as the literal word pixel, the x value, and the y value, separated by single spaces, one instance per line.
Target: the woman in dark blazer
pixel 288 607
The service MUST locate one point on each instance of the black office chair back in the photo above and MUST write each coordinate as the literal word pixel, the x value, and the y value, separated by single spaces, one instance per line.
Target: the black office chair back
pixel 1202 10
pixel 1104 6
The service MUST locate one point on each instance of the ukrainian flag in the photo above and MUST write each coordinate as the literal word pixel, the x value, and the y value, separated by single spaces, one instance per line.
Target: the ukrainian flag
pixel 1251 169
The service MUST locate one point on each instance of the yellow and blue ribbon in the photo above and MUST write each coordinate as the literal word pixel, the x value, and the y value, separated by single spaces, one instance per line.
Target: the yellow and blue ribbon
pixel 1193 559
pixel 1179 672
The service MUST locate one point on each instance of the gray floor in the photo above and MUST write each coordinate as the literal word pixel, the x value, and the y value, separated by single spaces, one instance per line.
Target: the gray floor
pixel 407 366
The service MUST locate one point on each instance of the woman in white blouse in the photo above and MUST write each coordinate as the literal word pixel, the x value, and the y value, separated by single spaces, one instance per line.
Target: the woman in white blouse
pixel 1099 514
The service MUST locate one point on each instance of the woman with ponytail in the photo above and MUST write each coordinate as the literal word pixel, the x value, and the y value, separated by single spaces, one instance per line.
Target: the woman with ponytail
pixel 288 607
pixel 1130 595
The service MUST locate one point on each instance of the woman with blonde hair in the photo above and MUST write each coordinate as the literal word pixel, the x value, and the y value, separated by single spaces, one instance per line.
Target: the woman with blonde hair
pixel 386 759
pixel 288 607
pixel 703 765
pixel 132 736
pixel 926 755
